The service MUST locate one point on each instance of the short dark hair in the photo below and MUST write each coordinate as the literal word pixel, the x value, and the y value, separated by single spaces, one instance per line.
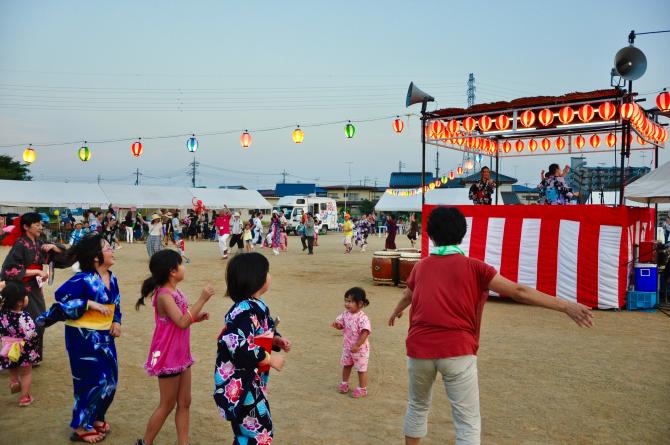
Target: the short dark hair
pixel 446 226
pixel 13 293
pixel 484 168
pixel 552 169
pixel 358 295
pixel 87 251
pixel 246 274
pixel 28 219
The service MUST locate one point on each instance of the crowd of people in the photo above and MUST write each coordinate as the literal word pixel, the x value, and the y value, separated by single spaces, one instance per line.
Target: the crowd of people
pixel 443 333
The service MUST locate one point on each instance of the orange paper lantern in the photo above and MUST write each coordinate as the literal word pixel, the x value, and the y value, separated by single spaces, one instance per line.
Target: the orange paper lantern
pixel 518 146
pixel 610 140
pixel 436 127
pixel 459 170
pixel 546 117
pixel 532 145
pixel 580 141
pixel 626 111
pixel 546 144
pixel 398 125
pixel 606 110
pixel 507 147
pixel 594 141
pixel 527 118
pixel 245 139
pixel 485 123
pixel 469 124
pixel 137 149
pixel 663 101
pixel 453 126
pixel 640 140
pixel 560 143
pixel 586 113
pixel 502 122
pixel 566 115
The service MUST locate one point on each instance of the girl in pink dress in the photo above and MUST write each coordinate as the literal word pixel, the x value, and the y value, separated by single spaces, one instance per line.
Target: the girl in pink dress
pixel 170 355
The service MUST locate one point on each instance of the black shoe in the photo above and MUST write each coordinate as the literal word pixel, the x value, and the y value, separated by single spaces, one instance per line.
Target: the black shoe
pixel 140 442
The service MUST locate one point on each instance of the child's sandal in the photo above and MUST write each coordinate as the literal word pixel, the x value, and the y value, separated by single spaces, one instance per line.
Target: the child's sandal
pixel 25 400
pixel 344 388
pixel 360 392
pixel 14 387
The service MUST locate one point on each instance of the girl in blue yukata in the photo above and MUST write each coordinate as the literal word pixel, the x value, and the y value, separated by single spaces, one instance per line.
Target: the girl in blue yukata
pixel 244 355
pixel 89 304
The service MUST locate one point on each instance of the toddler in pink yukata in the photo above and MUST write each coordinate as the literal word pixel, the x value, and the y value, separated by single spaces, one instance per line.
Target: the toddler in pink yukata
pixel 356 348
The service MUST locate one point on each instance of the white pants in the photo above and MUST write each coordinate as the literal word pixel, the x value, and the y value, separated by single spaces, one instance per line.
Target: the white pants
pixel 459 375
pixel 129 234
pixel 223 244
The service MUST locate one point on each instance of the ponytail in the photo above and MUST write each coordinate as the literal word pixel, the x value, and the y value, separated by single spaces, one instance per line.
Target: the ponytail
pixel 160 266
pixel 148 286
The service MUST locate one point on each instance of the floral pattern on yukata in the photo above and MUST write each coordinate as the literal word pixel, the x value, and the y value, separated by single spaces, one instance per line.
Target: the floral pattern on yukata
pixel 19 325
pixel 554 190
pixel 481 192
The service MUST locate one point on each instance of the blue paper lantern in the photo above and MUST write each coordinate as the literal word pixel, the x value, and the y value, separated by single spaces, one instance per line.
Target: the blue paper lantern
pixel 192 144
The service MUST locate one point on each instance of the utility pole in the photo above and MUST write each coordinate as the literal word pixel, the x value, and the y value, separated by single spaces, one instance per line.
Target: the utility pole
pixel 284 174
pixel 194 166
pixel 137 176
pixel 471 90
pixel 437 163
pixel 400 166
pixel 346 189
pixel 99 178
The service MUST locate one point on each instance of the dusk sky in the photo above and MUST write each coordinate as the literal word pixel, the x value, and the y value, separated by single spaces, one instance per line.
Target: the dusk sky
pixel 82 70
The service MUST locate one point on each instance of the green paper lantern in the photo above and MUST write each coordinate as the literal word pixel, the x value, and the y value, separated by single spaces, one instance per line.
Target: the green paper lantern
pixel 84 153
pixel 349 130
pixel 444 179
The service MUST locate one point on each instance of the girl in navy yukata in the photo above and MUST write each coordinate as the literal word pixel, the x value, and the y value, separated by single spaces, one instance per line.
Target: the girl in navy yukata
pixel 244 354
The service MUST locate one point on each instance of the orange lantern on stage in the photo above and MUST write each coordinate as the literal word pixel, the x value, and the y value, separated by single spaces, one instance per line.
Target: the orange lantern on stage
pixel 546 144
pixel 560 143
pixel 527 118
pixel 566 115
pixel 453 126
pixel 594 141
pixel 658 132
pixel 640 140
pixel 459 170
pixel 398 125
pixel 532 145
pixel 664 135
pixel 502 122
pixel 469 124
pixel 546 117
pixel 610 140
pixel 460 140
pixel 478 143
pixel 470 142
pixel 436 127
pixel 626 111
pixel 586 113
pixel 663 101
pixel 580 141
pixel 606 110
pixel 507 147
pixel 518 146
pixel 485 123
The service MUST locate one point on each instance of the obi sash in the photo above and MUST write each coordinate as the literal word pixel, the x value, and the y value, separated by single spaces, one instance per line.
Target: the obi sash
pixel 94 319
pixel 31 267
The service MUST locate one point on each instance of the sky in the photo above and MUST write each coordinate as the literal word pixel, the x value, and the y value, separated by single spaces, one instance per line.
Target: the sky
pixel 96 71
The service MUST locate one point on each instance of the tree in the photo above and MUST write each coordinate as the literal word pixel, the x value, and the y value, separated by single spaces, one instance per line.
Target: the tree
pixel 366 207
pixel 11 169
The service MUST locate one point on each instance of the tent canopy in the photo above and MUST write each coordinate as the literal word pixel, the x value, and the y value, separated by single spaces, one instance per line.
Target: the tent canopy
pixel 454 196
pixel 78 195
pixel 653 187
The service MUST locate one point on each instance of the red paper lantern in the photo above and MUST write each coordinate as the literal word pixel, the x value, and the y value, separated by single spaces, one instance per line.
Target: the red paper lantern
pixel 658 132
pixel 640 140
pixel 137 149
pixel 626 111
pixel 470 142
pixel 453 126
pixel 664 135
pixel 580 141
pixel 566 115
pixel 610 140
pixel 478 143
pixel 436 127
pixel 502 122
pixel 606 110
pixel 594 141
pixel 507 147
pixel 398 125
pixel 586 113
pixel 663 101
pixel 546 117
pixel 546 144
pixel 245 139
pixel 518 146
pixel 560 143
pixel 451 175
pixel 460 140
pixel 532 145
pixel 469 124
pixel 527 118
pixel 459 170
pixel 485 123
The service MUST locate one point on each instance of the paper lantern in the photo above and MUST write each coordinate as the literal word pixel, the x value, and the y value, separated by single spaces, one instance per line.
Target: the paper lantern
pixel 350 130
pixel 518 146
pixel 640 140
pixel 469 124
pixel 527 118
pixel 431 186
pixel 663 101
pixel 560 143
pixel 470 142
pixel 453 126
pixel 657 132
pixel 507 146
pixel 460 140
pixel 84 153
pixel 664 135
pixel 478 143
pixel 299 135
pixel 502 122
pixel 546 117
pixel 469 165
pixel 436 127
pixel 398 125
pixel 546 144
pixel 485 123
pixel 594 141
pixel 56 212
pixel 532 145
pixel 444 179
pixel 610 140
pixel 459 170
pixel 29 154
pixel 586 113
pixel 137 149
pixel 580 141
pixel 566 115
pixel 245 139
pixel 626 111
pixel 438 183
pixel 192 144
pixel 452 175
pixel 606 110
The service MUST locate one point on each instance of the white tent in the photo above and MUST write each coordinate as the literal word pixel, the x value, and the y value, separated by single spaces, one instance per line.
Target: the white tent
pixel 651 188
pixel 449 196
pixel 233 198
pixel 147 196
pixel 612 198
pixel 51 194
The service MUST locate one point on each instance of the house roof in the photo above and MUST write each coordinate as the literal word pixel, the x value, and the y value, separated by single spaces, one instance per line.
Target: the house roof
pixel 523 189
pixel 354 187
pixel 502 179
pixel 268 193
pixel 233 187
pixel 298 189
pixel 408 179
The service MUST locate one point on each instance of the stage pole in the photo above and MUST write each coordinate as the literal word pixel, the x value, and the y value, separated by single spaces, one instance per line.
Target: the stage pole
pixel 497 174
pixel 423 153
pixel 625 146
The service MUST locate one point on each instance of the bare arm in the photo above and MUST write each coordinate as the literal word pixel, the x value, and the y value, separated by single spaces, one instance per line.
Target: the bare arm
pixel 581 314
pixel 167 305
pixel 361 339
pixel 404 302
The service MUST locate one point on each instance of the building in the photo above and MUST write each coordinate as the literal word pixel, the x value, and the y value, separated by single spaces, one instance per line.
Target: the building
pixel 354 196
pixel 600 178
pixel 408 180
pixel 285 189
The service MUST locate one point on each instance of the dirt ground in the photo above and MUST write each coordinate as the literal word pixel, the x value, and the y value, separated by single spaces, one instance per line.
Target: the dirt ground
pixel 542 379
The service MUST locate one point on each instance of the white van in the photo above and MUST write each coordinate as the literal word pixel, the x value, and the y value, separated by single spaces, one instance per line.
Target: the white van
pixel 324 210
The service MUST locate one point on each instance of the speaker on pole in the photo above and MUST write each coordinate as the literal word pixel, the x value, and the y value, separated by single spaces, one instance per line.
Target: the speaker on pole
pixel 415 96
pixel 630 63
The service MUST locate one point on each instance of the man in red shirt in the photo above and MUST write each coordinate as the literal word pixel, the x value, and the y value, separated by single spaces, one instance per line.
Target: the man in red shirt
pixel 447 292
pixel 222 224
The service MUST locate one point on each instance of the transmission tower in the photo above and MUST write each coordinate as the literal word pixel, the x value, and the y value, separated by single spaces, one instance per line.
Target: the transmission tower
pixel 471 90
